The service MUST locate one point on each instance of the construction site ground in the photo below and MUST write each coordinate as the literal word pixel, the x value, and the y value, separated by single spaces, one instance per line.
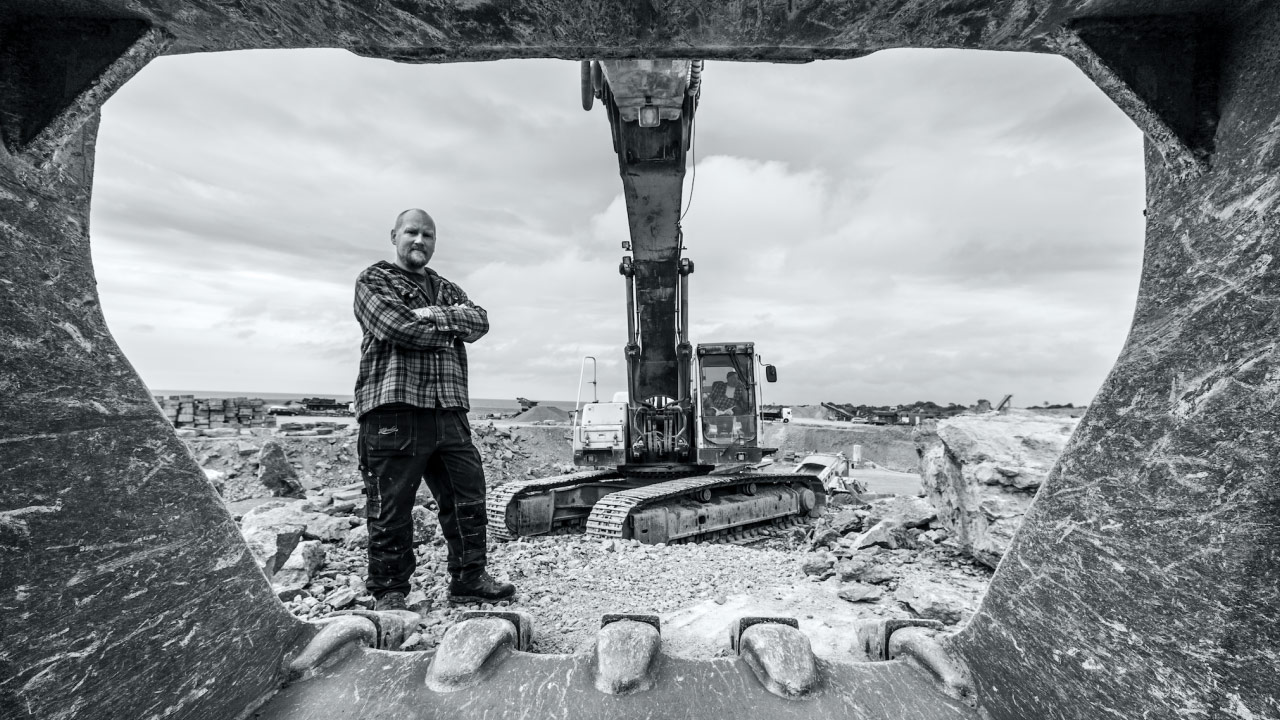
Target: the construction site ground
pixel 567 582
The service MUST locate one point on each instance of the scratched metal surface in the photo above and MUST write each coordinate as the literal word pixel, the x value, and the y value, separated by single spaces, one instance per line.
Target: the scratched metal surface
pixel 1146 580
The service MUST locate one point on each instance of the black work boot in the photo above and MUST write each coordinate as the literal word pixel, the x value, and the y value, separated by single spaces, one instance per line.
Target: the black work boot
pixel 483 588
pixel 391 601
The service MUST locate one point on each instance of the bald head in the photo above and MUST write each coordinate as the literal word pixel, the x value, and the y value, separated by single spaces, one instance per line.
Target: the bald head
pixel 413 213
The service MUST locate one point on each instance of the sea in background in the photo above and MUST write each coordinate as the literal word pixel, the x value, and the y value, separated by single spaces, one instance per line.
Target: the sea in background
pixel 478 405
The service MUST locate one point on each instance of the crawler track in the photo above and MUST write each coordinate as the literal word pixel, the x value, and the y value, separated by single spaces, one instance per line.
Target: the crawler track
pixel 609 516
pixel 501 497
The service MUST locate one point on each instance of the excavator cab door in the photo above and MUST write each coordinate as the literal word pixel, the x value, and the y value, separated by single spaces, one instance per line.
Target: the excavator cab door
pixel 728 406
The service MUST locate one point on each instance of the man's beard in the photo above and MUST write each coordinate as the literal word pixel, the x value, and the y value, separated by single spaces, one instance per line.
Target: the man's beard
pixel 415 258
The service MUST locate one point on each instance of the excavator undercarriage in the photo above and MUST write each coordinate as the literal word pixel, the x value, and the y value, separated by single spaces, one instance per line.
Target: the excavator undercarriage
pixel 667 457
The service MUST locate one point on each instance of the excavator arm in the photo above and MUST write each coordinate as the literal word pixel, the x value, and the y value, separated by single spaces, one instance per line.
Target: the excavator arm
pixel 651 104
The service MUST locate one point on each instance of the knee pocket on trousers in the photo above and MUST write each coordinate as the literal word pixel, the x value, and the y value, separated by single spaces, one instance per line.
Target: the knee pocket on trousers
pixel 372 496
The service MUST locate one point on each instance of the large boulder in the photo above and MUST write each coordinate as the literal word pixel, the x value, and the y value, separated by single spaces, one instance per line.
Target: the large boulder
pixel 276 473
pixel 981 472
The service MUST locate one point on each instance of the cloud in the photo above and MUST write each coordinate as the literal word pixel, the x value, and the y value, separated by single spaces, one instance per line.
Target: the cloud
pixel 911 225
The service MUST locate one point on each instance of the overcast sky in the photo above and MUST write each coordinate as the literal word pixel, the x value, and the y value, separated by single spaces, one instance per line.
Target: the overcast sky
pixel 914 225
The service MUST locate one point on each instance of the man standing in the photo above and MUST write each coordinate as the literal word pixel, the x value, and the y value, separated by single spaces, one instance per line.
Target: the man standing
pixel 412 402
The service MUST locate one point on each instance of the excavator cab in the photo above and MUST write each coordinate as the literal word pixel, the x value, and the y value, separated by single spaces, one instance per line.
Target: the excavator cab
pixel 728 405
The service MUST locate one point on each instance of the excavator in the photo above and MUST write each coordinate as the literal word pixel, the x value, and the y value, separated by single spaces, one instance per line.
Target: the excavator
pixel 671 462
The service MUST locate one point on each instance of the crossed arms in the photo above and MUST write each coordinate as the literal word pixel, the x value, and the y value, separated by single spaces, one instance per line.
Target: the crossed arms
pixel 382 312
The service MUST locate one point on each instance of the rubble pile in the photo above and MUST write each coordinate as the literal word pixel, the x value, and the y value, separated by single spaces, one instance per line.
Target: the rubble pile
pixel 884 559
pixel 516 453
pixel 895 553
pixel 982 472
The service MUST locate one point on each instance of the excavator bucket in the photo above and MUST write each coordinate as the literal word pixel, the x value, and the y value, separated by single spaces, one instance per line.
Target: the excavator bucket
pixel 1144 582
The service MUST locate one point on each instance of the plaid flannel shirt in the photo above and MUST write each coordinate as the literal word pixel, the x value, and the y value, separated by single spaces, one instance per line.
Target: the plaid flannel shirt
pixel 404 356
pixel 719 399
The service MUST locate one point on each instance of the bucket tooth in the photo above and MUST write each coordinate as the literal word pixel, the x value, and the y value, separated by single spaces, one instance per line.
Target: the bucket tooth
pixel 473 648
pixel 337 638
pixel 778 653
pixel 873 635
pixel 627 653
pixel 920 645
pixel 393 626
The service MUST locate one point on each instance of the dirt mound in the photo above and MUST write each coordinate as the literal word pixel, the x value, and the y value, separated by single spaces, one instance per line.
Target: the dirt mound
pixel 542 412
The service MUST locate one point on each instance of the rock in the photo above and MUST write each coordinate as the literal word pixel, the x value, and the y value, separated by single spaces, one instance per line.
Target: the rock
pixel 272 545
pixel 340 598
pixel 418 602
pixel 847 520
pixel 357 538
pixel 316 526
pixel 412 641
pixel 221 432
pixel 818 563
pixel 317 503
pixel 981 472
pixel 246 448
pixel 858 592
pixel 186 433
pixel 346 507
pixel 862 568
pixel 275 472
pixel 885 534
pixel 217 479
pixel 825 538
pixel 424 525
pixel 907 512
pixel 296 572
pixel 933 601
pixel 852 569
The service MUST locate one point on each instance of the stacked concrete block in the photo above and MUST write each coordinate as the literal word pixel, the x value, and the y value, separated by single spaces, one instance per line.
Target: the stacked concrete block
pixel 201 414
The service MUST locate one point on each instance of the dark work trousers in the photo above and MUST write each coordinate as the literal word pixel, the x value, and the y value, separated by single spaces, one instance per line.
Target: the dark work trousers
pixel 401 445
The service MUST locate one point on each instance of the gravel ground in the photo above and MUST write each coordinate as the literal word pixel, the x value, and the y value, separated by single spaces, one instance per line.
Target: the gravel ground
pixel 566 583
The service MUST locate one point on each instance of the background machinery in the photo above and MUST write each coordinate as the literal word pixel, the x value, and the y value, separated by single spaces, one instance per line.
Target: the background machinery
pixel 667 462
